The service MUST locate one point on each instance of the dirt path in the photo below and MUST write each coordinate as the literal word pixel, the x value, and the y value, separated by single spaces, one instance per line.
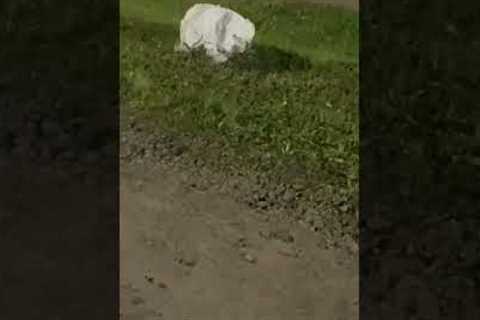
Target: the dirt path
pixel 201 256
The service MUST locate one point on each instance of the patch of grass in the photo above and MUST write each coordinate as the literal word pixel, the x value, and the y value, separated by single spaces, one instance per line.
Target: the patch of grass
pixel 292 97
pixel 320 33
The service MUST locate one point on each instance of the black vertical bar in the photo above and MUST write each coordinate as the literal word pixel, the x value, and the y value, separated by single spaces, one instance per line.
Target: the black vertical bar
pixel 420 160
pixel 59 159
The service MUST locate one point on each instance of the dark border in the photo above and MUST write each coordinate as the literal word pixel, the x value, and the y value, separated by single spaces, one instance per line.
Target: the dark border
pixel 420 160
pixel 59 159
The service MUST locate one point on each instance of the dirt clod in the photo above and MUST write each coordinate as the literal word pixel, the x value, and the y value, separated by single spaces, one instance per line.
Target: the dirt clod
pixel 149 277
pixel 249 258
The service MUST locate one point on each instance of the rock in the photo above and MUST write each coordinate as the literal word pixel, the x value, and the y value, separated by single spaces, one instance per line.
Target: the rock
pixel 344 208
pixel 178 150
pixel 283 235
pixel 289 196
pixel 149 277
pixel 162 285
pixel 186 261
pixel 262 204
pixel 220 31
pixel 298 187
pixel 241 243
pixel 352 246
pixel 249 258
pixel 272 196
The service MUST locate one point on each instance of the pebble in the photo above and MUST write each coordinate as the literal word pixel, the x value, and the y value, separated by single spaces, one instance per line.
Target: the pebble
pixel 249 258
pixel 298 187
pixel 188 262
pixel 280 189
pixel 149 277
pixel 179 150
pixel 272 196
pixel 262 204
pixel 289 196
pixel 283 235
pixel 242 242
pixel 352 246
pixel 264 234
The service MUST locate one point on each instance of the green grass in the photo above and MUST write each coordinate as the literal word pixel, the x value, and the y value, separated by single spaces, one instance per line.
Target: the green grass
pixel 322 34
pixel 294 96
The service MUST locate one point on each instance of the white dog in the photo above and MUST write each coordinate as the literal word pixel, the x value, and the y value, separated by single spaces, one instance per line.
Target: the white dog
pixel 221 32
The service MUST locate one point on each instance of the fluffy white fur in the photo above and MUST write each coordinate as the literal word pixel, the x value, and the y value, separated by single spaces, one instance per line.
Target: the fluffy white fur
pixel 221 32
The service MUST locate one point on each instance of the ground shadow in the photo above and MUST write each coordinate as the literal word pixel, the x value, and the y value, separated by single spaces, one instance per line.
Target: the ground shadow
pixel 269 59
pixel 165 34
pixel 260 58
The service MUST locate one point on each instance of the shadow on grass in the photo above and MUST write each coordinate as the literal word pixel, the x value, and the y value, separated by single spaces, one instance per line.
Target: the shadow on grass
pixel 260 58
pixel 268 59
pixel 154 33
